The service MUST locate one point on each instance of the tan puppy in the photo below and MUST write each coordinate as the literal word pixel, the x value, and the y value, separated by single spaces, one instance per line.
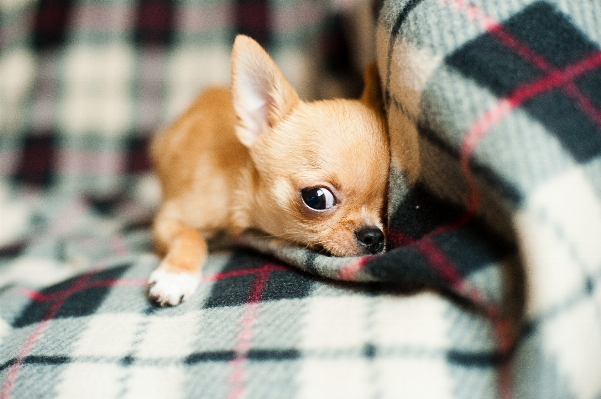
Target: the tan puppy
pixel 312 173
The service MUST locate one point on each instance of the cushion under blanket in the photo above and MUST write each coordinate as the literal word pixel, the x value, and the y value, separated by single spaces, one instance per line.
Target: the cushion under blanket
pixel 490 287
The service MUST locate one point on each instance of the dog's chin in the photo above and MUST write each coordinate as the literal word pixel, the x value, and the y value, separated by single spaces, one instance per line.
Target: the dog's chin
pixel 320 250
pixel 339 252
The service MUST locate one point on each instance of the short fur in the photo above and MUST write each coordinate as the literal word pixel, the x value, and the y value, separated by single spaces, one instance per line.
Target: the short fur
pixel 238 160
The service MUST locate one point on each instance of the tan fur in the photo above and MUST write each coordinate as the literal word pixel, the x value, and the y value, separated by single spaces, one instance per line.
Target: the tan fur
pixel 233 162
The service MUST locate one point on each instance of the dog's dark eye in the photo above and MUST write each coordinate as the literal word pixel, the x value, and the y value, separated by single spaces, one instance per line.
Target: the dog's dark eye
pixel 318 198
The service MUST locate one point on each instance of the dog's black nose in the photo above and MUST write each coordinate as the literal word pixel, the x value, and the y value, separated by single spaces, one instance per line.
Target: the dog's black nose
pixel 371 238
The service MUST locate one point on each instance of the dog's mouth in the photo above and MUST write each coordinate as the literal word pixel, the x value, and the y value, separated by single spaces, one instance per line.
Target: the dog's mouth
pixel 360 251
pixel 321 250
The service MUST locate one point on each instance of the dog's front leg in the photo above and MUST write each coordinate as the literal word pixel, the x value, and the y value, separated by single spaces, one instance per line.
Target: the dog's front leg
pixel 178 275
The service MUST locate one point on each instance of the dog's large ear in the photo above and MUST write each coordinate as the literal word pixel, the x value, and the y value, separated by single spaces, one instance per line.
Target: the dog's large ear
pixel 262 96
pixel 372 91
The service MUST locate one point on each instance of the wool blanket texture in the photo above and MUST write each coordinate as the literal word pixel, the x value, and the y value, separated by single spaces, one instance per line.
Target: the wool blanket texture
pixel 490 287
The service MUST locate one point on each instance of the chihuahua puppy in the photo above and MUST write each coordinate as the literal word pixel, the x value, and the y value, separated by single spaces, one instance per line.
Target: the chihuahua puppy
pixel 312 173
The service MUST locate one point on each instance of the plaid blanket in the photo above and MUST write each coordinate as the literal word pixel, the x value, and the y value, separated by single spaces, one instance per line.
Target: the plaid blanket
pixel 491 288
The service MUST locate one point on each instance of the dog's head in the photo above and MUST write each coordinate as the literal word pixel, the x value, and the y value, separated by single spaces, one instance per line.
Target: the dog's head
pixel 320 168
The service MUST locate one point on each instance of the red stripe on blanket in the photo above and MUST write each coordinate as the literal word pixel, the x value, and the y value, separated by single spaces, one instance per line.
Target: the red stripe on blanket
pixel 243 272
pixel 56 296
pixel 447 269
pixel 243 342
pixel 494 27
pixel 350 271
pixel 573 91
pixel 38 332
pixel 439 261
pixel 555 78
pixel 246 331
pixel 38 296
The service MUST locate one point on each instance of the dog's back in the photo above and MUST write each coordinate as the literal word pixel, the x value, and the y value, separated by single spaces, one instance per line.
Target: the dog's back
pixel 197 158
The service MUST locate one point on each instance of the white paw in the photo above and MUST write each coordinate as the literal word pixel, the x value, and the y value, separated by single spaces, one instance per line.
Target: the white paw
pixel 170 289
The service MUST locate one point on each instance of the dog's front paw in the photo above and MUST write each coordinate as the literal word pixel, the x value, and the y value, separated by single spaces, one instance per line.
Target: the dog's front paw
pixel 170 289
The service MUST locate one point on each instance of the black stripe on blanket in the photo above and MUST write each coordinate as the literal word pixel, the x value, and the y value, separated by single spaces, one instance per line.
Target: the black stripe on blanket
pixel 51 22
pixel 250 278
pixel 253 19
pixel 38 155
pixel 511 60
pixel 76 297
pixel 456 357
pixel 155 20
